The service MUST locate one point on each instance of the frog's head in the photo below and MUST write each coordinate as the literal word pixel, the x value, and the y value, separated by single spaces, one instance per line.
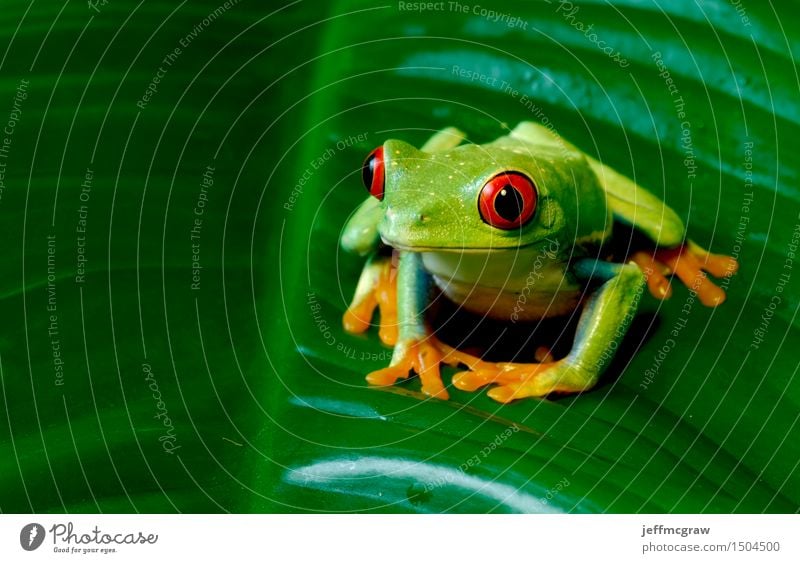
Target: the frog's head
pixel 473 197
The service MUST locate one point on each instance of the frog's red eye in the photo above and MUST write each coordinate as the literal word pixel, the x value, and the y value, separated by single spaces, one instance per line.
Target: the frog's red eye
pixel 372 173
pixel 507 201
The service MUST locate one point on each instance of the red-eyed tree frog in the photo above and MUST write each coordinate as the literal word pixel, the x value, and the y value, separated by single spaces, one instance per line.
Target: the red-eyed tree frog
pixel 475 221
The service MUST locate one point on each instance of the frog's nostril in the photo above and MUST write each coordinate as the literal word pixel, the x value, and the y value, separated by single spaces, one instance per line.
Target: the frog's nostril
pixel 422 218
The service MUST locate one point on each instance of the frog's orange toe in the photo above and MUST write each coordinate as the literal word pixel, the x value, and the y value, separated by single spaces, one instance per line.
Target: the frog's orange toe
pixel 707 291
pixel 504 393
pixel 453 357
pixel 390 375
pixel 473 380
pixel 718 265
pixel 422 357
pixel 721 266
pixel 659 286
pixel 428 360
pixel 688 263
pixel 388 333
pixel 358 316
pixel 523 382
pixel 712 297
pixel 653 271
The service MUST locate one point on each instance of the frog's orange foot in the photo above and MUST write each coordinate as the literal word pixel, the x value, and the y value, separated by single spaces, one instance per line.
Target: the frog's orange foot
pixel 690 263
pixel 423 357
pixel 383 296
pixel 514 381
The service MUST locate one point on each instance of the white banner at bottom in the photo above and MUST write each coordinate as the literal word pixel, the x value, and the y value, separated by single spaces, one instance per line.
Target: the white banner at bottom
pixel 390 538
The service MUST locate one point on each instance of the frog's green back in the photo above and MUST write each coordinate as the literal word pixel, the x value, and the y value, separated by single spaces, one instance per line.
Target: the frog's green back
pixel 629 202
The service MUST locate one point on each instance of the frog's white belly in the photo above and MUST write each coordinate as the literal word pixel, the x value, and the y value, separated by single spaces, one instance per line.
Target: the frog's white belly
pixel 524 284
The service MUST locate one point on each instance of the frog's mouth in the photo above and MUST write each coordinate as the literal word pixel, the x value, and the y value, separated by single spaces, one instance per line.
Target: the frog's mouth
pixel 453 249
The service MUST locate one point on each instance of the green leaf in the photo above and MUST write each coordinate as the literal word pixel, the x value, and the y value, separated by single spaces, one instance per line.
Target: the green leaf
pixel 249 379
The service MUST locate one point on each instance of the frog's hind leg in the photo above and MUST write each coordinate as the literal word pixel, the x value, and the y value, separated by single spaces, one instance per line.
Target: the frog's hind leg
pixel 604 320
pixel 689 262
pixel 446 139
pixel 377 288
pixel 633 205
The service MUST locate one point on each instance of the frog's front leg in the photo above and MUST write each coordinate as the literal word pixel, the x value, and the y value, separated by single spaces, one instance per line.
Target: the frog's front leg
pixel 605 318
pixel 674 254
pixel 416 349
pixel 377 288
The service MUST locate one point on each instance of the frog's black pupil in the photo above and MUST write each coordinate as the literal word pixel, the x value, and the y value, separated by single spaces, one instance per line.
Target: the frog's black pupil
pixel 368 171
pixel 508 203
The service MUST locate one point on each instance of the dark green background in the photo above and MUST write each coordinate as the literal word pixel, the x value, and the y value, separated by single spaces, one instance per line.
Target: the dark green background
pixel 269 415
